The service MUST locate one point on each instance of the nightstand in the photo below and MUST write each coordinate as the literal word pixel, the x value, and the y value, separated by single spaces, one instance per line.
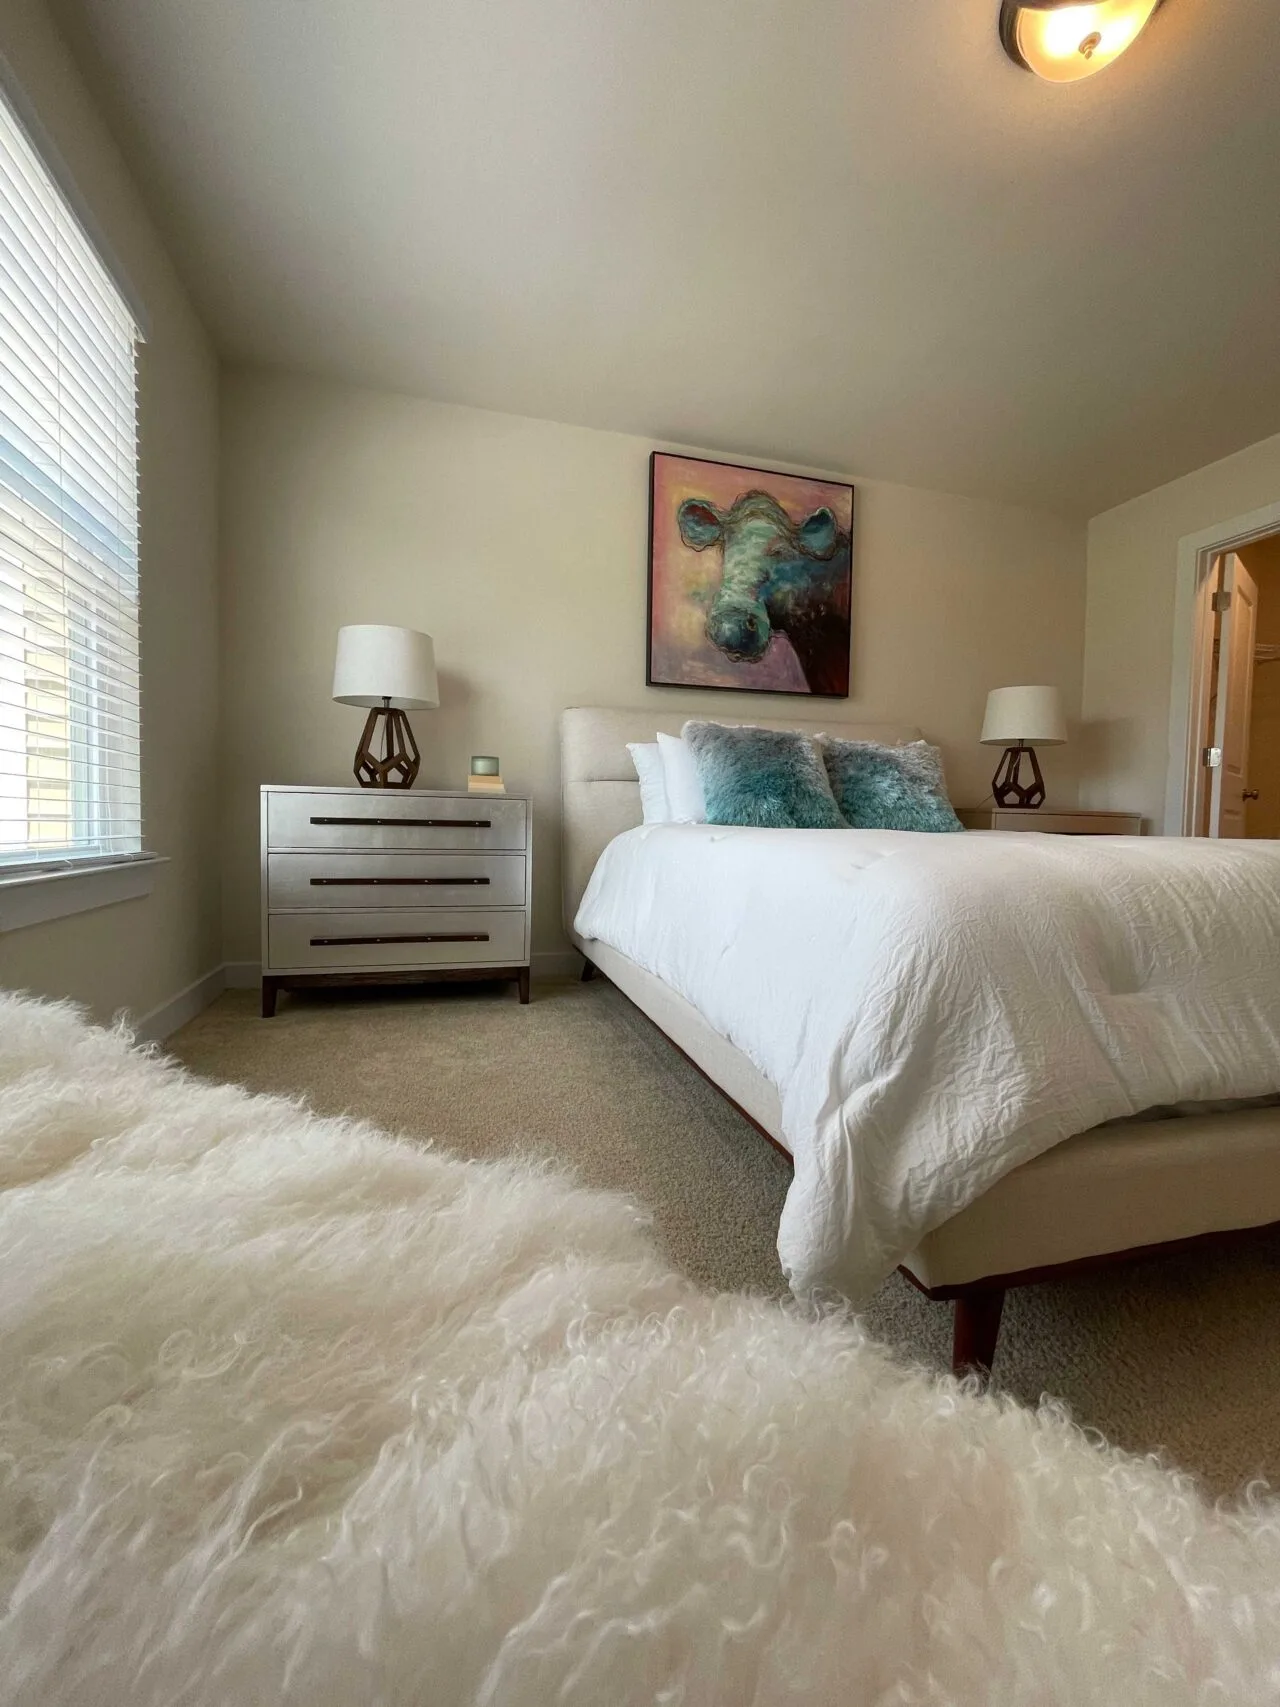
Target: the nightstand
pixel 1055 823
pixel 370 886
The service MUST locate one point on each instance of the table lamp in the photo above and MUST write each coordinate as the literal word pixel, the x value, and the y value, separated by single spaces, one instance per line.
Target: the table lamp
pixel 389 670
pixel 1019 719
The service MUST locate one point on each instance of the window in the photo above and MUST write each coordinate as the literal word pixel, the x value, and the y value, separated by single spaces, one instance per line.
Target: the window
pixel 69 783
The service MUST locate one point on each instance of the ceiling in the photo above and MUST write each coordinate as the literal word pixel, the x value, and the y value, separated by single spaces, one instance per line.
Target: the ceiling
pixel 843 233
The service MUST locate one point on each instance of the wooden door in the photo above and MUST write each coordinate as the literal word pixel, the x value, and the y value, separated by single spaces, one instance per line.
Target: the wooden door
pixel 1238 603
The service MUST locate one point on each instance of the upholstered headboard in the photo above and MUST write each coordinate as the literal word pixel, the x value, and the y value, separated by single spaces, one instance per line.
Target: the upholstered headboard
pixel 599 794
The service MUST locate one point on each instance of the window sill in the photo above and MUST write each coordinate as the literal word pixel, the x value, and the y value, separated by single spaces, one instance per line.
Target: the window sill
pixel 34 897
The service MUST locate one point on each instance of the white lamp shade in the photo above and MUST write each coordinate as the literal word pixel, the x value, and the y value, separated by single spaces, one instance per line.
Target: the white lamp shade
pixel 1030 717
pixel 377 662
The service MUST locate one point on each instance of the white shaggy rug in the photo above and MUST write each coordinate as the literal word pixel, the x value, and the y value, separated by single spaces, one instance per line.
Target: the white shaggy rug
pixel 295 1413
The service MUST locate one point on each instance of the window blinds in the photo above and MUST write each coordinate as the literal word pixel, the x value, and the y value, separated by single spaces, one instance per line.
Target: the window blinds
pixel 69 784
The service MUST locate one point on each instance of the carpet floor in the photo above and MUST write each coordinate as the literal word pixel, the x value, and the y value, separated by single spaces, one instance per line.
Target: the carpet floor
pixel 1179 1355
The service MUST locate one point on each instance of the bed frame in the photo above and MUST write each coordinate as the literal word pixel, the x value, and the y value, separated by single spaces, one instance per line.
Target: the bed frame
pixel 1116 1194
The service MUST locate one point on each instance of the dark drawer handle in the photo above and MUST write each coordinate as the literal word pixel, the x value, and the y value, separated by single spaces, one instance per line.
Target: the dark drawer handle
pixel 415 823
pixel 396 882
pixel 347 941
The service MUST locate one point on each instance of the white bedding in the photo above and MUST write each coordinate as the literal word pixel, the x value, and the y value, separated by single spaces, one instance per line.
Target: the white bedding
pixel 935 1010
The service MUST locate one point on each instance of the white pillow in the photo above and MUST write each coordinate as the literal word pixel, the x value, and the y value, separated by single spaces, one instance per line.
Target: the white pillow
pixel 685 800
pixel 653 787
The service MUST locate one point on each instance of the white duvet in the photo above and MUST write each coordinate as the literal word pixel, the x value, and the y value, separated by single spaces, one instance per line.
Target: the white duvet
pixel 937 1009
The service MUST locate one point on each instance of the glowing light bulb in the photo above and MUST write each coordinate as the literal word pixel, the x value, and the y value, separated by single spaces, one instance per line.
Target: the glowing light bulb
pixel 1063 43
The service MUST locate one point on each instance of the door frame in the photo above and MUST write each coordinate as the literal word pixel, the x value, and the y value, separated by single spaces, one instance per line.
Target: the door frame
pixel 1190 683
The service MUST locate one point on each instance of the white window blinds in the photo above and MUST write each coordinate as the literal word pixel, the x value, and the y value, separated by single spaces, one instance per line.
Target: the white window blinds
pixel 69 786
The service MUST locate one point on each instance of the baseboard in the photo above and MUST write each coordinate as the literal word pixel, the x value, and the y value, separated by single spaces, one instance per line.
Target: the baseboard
pixel 164 1020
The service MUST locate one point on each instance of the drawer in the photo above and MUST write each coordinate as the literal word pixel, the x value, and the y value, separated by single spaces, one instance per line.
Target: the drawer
pixel 369 941
pixel 344 881
pixel 381 820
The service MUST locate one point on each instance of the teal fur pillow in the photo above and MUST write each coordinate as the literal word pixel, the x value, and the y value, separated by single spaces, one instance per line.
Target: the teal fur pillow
pixel 767 779
pixel 889 788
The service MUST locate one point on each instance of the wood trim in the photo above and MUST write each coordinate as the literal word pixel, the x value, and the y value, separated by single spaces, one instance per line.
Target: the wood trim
pixel 1196 552
pixel 274 982
pixel 399 882
pixel 408 824
pixel 430 936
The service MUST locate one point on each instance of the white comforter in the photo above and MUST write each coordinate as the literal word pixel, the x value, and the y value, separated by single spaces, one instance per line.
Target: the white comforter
pixel 937 1009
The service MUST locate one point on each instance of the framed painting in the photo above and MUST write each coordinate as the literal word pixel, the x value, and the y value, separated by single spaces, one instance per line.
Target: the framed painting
pixel 750 579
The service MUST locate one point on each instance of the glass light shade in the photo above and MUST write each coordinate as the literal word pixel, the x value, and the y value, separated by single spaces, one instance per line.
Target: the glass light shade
pixel 1065 40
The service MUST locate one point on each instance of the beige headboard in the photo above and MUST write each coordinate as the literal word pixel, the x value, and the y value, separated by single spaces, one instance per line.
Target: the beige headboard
pixel 600 797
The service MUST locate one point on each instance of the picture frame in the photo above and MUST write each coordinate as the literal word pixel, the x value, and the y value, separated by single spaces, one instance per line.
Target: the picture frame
pixel 750 579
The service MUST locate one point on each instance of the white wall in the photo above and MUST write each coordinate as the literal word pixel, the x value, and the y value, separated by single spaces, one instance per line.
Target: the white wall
pixel 1129 625
pixel 139 954
pixel 521 546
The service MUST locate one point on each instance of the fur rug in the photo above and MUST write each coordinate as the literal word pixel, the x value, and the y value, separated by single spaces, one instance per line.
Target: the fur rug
pixel 296 1413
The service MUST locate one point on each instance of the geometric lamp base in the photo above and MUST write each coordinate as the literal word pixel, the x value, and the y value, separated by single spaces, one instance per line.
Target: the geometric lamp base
pixel 398 765
pixel 1007 785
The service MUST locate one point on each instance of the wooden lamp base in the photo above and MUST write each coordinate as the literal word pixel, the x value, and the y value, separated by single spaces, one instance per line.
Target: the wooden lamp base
pixel 1007 785
pixel 398 766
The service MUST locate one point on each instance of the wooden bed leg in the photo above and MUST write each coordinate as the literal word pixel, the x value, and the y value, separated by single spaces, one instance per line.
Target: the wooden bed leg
pixel 588 970
pixel 977 1327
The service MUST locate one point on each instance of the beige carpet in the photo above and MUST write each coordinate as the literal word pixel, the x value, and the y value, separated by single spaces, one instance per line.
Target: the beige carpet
pixel 1181 1355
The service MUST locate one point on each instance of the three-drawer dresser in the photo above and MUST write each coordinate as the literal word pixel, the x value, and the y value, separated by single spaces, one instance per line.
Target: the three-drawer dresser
pixel 370 886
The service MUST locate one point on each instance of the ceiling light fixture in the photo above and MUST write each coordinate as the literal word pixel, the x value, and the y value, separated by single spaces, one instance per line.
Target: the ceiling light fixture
pixel 1065 40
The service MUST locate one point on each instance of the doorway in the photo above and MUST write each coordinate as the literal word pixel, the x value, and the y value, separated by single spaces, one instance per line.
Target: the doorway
pixel 1234 765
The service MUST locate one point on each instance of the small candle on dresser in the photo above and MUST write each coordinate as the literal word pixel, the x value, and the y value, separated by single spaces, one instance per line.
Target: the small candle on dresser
pixel 486 776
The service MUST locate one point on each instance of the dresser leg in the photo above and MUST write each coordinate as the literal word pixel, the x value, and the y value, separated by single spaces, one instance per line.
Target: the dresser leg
pixel 269 988
pixel 522 982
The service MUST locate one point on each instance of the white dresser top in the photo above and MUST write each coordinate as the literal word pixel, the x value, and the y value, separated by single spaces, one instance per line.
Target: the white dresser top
pixel 389 793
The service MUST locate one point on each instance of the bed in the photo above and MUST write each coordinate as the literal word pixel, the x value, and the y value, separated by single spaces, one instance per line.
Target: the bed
pixel 1113 1193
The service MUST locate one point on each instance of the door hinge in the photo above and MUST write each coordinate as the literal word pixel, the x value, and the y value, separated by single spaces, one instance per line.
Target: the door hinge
pixel 1211 758
pixel 1222 600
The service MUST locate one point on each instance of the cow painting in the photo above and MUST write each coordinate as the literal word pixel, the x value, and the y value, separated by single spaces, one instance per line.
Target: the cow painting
pixel 750 579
